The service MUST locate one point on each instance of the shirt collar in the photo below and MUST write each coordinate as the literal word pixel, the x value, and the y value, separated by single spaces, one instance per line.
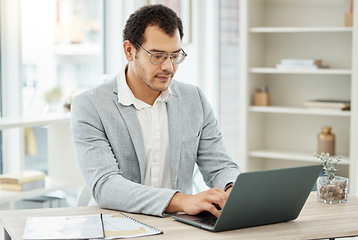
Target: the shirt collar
pixel 127 98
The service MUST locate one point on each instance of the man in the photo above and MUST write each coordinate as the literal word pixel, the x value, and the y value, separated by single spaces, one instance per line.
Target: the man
pixel 138 137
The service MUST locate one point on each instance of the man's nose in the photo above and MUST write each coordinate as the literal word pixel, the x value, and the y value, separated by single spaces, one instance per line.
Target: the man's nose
pixel 167 65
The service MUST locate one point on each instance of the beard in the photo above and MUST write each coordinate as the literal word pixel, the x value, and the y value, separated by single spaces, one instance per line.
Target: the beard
pixel 150 81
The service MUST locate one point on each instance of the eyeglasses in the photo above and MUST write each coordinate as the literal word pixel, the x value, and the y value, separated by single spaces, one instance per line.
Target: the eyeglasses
pixel 160 57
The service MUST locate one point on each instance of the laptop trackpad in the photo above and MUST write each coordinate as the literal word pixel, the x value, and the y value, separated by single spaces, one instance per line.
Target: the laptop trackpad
pixel 206 218
pixel 203 219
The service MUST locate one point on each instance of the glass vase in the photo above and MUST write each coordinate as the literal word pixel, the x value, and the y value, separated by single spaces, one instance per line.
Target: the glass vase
pixel 332 191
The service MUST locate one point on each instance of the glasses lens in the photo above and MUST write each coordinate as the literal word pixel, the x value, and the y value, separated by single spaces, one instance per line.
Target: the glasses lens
pixel 158 57
pixel 177 58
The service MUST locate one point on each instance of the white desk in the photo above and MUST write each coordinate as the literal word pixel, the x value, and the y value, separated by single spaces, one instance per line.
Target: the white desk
pixel 316 221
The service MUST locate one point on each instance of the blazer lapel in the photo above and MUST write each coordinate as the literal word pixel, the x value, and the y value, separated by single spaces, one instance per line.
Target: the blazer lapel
pixel 174 121
pixel 129 116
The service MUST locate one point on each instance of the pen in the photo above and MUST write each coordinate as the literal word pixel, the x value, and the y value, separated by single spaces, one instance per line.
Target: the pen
pixel 100 215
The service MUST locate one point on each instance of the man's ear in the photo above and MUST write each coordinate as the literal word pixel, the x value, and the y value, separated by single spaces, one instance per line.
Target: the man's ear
pixel 129 50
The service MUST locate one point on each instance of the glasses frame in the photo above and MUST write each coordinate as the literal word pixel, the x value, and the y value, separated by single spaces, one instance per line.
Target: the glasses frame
pixel 167 55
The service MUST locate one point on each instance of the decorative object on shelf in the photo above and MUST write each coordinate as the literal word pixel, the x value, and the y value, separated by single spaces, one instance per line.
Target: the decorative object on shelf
pixel 68 100
pixel 326 141
pixel 348 16
pixel 53 95
pixel 53 99
pixel 331 188
pixel 262 97
pixel 67 104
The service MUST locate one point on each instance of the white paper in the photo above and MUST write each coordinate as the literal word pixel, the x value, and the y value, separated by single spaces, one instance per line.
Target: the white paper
pixel 63 227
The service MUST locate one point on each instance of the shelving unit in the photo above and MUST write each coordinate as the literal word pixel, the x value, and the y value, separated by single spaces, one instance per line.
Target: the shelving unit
pixel 284 134
pixel 63 171
pixel 51 185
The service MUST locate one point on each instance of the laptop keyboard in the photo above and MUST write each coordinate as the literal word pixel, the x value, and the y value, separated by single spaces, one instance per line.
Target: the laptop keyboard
pixel 207 221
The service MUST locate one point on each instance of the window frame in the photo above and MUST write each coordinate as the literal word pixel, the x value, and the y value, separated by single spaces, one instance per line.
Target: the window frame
pixel 11 83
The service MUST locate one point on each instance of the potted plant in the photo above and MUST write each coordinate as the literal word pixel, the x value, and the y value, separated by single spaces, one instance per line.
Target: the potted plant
pixel 53 98
pixel 331 188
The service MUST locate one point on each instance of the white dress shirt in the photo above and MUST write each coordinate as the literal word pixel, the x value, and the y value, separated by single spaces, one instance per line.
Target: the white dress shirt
pixel 153 122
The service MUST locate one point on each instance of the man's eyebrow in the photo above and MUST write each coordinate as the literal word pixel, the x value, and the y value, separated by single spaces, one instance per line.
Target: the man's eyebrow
pixel 157 50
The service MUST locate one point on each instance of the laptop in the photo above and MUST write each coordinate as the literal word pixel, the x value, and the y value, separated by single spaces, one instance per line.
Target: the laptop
pixel 260 198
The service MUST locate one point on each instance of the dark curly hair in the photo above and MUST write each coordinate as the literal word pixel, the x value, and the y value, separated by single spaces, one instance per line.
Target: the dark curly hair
pixel 151 15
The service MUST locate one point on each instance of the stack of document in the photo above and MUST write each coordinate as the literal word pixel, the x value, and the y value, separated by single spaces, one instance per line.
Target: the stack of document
pixel 328 104
pixel 96 226
pixel 300 64
pixel 23 180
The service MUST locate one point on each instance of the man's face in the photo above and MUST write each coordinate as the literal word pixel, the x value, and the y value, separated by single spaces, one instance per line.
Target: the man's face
pixel 156 77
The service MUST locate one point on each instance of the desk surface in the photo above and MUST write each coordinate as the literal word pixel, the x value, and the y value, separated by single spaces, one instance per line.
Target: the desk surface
pixel 317 220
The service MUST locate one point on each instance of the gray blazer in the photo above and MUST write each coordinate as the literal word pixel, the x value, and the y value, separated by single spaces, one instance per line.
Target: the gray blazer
pixel 110 151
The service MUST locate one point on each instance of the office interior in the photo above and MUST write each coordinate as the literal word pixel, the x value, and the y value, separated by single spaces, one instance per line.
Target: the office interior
pixel 52 50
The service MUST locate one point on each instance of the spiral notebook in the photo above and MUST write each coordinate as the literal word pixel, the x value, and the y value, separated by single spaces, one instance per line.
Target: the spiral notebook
pixel 119 225
pixel 96 226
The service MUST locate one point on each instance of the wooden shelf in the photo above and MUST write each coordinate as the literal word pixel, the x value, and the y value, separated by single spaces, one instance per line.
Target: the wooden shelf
pixel 34 121
pixel 297 110
pixel 272 70
pixel 301 29
pixel 290 156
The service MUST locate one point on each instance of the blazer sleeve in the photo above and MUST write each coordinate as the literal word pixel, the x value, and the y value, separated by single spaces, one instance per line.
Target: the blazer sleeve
pixel 100 168
pixel 214 162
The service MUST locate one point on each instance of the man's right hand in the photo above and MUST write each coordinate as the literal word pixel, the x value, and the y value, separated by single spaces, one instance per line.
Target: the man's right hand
pixel 211 200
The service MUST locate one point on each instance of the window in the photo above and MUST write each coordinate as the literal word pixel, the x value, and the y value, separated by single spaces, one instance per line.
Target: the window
pixel 62 54
pixel 61 51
